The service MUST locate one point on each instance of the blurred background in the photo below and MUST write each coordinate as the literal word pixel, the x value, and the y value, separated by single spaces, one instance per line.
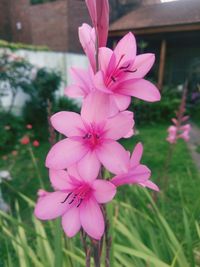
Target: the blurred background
pixel 38 46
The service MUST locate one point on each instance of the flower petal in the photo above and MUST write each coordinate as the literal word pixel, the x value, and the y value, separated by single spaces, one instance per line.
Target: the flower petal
pixel 119 125
pixel 102 8
pixel 122 101
pixel 138 175
pixel 89 166
pixel 99 82
pixel 150 185
pixel 99 13
pixel 73 172
pixel 95 107
pixel 64 154
pixel 136 155
pixel 50 206
pixel 68 123
pixel 60 180
pixel 104 191
pixel 74 91
pixel 126 47
pixel 141 89
pixel 142 64
pixel 92 219
pixel 113 156
pixel 88 39
pixel 105 54
pixel 71 222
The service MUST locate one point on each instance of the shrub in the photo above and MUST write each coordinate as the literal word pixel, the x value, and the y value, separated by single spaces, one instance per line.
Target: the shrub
pixel 161 111
pixel 10 131
pixel 17 46
pixel 41 90
pixel 15 73
pixel 64 103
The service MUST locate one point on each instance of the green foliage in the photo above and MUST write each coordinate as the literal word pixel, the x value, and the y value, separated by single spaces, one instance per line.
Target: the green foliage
pixel 10 131
pixel 15 73
pixel 41 90
pixel 64 103
pixel 141 237
pixel 157 112
pixel 18 46
pixel 36 2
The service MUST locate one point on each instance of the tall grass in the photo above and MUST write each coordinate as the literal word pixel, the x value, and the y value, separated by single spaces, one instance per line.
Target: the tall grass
pixel 141 237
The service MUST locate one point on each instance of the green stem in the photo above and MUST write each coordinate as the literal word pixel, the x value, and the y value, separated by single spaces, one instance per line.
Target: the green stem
pixel 35 164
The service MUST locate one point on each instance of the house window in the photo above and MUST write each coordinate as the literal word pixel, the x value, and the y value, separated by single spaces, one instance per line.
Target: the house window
pixel 36 2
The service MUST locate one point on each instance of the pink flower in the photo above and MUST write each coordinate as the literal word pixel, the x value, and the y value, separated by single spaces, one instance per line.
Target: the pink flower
pixel 99 13
pixel 14 152
pixel 172 134
pixel 29 126
pixel 4 157
pixel 36 143
pixel 121 73
pixel 88 41
pixel 136 173
pixel 83 83
pixel 25 140
pixel 175 133
pixel 76 199
pixel 185 132
pixel 91 139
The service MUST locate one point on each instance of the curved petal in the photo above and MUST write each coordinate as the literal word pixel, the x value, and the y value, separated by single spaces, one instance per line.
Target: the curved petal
pixel 60 180
pixel 142 64
pixel 141 89
pixel 87 39
pixel 89 166
pixel 99 13
pixel 71 222
pixel 95 107
pixel 83 78
pixel 64 154
pixel 104 191
pixel 138 175
pixel 50 206
pixel 119 125
pixel 113 156
pixel 126 47
pixel 68 123
pixel 102 21
pixel 105 54
pixel 136 155
pixel 92 219
pixel 122 101
pixel 99 82
pixel 150 185
pixel 73 172
pixel 74 91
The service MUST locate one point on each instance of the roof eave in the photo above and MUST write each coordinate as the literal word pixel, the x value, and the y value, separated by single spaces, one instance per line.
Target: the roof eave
pixel 157 29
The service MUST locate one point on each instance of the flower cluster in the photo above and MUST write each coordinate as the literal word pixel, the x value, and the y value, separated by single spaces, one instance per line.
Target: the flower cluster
pixel 91 137
pixel 25 140
pixel 179 129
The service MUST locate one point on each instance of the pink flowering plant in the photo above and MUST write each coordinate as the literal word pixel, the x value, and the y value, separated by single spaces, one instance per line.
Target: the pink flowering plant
pixel 180 128
pixel 90 147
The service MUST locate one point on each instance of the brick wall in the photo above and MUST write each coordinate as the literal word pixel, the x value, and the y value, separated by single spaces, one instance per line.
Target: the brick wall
pixel 76 15
pixel 49 25
pixel 53 24
pixel 20 14
pixel 4 20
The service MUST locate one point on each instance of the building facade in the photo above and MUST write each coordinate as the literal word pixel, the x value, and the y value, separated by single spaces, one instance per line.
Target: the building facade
pixel 52 23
